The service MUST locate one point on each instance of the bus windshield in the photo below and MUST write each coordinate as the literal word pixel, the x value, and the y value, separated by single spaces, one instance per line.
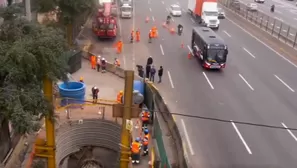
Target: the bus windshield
pixel 216 55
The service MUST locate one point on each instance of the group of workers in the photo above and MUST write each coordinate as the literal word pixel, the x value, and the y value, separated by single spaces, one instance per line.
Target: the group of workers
pixel 141 143
pixel 98 63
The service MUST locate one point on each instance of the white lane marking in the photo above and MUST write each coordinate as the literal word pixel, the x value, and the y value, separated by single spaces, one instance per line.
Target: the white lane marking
pixel 162 51
pixel 284 30
pixel 262 43
pixel 172 19
pixel 284 83
pixel 292 34
pixel 226 33
pixel 148 2
pixel 241 138
pixel 170 79
pixel 150 9
pixel 162 2
pixel 208 81
pixel 192 20
pixel 295 18
pixel 279 19
pixel 277 27
pixel 190 49
pixel 246 82
pixel 187 137
pixel 290 132
pixel 248 52
pixel 153 18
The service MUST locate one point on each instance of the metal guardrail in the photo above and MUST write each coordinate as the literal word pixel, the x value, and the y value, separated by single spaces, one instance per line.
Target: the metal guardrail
pixel 275 27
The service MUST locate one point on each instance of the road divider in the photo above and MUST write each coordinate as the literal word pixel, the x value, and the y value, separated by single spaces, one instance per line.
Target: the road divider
pixel 165 128
pixel 273 25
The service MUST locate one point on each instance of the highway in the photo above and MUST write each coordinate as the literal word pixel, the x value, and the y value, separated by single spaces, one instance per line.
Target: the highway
pixel 258 85
pixel 285 11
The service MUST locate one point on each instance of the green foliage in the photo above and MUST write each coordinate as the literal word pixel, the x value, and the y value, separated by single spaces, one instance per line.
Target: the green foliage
pixel 11 12
pixel 71 9
pixel 28 53
pixel 46 5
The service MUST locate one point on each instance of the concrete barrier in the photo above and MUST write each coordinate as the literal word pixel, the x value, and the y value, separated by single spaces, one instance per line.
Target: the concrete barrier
pixel 158 105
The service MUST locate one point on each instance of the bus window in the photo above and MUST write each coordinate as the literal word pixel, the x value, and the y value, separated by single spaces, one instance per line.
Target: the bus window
pixel 216 55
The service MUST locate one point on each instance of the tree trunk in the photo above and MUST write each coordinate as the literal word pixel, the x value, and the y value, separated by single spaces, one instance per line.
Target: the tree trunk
pixel 9 2
pixel 5 140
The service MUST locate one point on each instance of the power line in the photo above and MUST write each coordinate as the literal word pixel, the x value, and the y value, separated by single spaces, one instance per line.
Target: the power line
pixel 183 115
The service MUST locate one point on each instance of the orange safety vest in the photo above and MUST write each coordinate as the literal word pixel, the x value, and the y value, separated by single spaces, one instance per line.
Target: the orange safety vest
pixel 145 116
pixel 119 98
pixel 146 140
pixel 135 147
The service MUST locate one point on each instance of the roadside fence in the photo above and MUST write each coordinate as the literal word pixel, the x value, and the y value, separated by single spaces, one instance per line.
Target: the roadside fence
pixel 277 28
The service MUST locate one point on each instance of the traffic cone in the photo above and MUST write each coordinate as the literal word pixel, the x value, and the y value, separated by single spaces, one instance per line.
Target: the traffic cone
pixel 172 30
pixel 164 25
pixel 147 19
pixel 189 55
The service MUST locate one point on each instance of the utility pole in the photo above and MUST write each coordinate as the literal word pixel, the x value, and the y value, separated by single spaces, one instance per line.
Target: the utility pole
pixel 28 9
pixel 127 115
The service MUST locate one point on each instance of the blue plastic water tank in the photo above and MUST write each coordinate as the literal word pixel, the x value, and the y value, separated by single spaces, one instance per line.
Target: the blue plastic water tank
pixel 75 91
pixel 139 85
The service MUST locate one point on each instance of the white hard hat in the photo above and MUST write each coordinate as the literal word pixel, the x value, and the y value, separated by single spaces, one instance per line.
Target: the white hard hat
pixel 95 87
pixel 103 58
pixel 99 56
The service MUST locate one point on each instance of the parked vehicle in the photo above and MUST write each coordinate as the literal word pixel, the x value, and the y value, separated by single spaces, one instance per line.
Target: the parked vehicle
pixel 126 11
pixel 259 1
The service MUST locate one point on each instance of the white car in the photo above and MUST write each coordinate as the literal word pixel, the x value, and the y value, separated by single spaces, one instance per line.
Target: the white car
pixel 259 1
pixel 175 10
pixel 252 7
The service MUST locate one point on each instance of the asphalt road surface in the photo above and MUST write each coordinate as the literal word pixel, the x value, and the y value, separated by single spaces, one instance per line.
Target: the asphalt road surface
pixel 285 11
pixel 258 85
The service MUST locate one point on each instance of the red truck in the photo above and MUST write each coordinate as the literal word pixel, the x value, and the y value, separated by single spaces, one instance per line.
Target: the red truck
pixel 105 25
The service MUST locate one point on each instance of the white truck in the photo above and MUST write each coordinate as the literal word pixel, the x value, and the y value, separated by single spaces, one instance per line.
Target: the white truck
pixel 126 11
pixel 205 11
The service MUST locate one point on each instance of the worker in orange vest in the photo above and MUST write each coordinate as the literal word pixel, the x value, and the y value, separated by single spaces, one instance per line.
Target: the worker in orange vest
pixel 120 96
pixel 119 47
pixel 145 142
pixel 117 62
pixel 137 36
pixel 135 150
pixel 150 36
pixel 132 36
pixel 154 30
pixel 93 62
pixel 145 118
pixel 81 79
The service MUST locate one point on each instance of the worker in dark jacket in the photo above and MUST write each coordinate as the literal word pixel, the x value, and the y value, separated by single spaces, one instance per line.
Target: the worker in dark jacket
pixel 149 61
pixel 160 74
pixel 148 71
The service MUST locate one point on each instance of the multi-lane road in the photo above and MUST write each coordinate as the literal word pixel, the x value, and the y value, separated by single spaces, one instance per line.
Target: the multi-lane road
pixel 258 85
pixel 285 11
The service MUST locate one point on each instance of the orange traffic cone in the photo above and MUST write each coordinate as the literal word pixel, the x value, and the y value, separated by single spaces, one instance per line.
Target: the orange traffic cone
pixel 147 19
pixel 189 55
pixel 172 30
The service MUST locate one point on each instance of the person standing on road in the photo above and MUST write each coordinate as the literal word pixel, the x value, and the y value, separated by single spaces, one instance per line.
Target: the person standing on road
pixel 119 47
pixel 150 36
pixel 93 62
pixel 132 36
pixel 145 119
pixel 95 92
pixel 160 74
pixel 145 142
pixel 137 35
pixel 98 63
pixel 103 64
pixel 117 62
pixel 149 61
pixel 148 71
pixel 135 150
pixel 152 75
